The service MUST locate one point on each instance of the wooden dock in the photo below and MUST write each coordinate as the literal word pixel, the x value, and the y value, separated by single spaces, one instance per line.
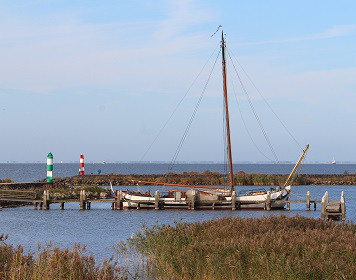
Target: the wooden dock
pixel 329 209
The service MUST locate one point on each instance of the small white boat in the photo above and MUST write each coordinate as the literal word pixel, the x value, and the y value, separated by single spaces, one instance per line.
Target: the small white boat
pixel 333 161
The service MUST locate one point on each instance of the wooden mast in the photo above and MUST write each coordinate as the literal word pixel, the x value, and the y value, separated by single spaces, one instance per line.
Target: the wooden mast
pixel 231 173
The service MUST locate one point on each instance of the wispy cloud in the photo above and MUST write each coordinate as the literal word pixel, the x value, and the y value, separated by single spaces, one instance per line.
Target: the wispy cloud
pixel 333 32
pixel 60 51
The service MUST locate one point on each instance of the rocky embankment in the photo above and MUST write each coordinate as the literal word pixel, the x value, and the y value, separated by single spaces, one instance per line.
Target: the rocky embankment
pixel 204 178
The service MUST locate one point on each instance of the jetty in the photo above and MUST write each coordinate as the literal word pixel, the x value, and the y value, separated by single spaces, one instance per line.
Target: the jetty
pixel 330 209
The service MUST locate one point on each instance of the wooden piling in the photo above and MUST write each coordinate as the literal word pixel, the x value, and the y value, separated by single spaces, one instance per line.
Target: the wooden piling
pixel 192 203
pixel 119 197
pixel 268 201
pixel 308 201
pixel 138 205
pixel 343 206
pixel 61 206
pixel 88 205
pixel 82 201
pixel 46 200
pixel 324 202
pixel 35 204
pixel 157 200
pixel 233 201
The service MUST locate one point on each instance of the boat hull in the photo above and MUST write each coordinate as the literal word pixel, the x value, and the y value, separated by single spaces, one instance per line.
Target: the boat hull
pixel 278 201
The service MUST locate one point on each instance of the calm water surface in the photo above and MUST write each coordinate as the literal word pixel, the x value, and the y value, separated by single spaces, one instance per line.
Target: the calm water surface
pixel 100 228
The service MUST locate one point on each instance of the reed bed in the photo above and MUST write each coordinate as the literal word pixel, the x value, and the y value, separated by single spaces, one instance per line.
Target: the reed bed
pixel 51 263
pixel 253 248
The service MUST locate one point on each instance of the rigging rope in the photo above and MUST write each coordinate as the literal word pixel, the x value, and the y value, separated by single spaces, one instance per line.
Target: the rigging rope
pixel 192 118
pixel 243 120
pixel 179 103
pixel 269 106
pixel 255 114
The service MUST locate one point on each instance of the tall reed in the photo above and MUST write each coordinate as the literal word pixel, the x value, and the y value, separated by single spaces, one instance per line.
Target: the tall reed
pixel 51 263
pixel 253 248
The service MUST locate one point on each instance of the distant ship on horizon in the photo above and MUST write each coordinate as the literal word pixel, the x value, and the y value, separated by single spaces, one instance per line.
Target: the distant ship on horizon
pixel 333 161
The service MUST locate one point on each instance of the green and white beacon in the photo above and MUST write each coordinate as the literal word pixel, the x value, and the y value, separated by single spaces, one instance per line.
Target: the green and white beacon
pixel 49 168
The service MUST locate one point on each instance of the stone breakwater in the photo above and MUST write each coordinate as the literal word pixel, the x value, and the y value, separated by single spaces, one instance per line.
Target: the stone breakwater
pixel 203 178
pixel 186 178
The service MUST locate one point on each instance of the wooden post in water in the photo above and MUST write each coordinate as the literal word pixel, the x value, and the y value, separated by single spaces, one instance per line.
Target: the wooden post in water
pixel 343 206
pixel 233 200
pixel 192 203
pixel 268 201
pixel 82 200
pixel 119 200
pixel 138 206
pixel 88 205
pixel 156 200
pixel 45 199
pixel 308 201
pixel 112 205
pixel 324 202
pixel 61 206
pixel 35 204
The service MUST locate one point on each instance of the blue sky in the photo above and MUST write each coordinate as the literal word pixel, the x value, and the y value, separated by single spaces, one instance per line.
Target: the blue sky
pixel 102 77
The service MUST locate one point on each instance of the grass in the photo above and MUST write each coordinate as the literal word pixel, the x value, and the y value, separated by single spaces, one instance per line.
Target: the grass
pixel 253 248
pixel 51 263
pixel 226 248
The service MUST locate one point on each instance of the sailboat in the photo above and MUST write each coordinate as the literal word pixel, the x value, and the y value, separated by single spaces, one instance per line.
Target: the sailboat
pixel 255 198
pixel 333 161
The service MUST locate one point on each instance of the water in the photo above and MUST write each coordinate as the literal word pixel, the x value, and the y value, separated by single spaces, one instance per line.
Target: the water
pixel 28 172
pixel 101 228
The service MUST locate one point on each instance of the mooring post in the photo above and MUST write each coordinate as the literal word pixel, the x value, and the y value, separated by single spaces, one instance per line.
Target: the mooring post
pixel 88 205
pixel 268 201
pixel 314 205
pixel 112 205
pixel 156 200
pixel 138 205
pixel 288 205
pixel 121 198
pixel 233 201
pixel 324 202
pixel 308 201
pixel 343 206
pixel 192 205
pixel 35 205
pixel 45 199
pixel 61 206
pixel 82 200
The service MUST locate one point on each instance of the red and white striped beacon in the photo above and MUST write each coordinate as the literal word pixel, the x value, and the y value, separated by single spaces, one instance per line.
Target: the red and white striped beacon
pixel 81 169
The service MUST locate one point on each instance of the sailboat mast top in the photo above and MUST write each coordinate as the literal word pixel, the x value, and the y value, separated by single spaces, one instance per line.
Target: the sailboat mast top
pixel 231 173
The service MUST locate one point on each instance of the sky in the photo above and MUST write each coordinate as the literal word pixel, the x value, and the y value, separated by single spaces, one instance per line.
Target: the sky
pixel 103 77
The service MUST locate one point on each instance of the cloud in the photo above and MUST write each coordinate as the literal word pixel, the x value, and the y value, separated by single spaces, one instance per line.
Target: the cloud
pixel 61 52
pixel 333 32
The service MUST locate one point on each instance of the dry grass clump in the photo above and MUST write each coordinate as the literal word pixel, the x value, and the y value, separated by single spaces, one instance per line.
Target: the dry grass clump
pixel 51 263
pixel 254 248
pixel 6 180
